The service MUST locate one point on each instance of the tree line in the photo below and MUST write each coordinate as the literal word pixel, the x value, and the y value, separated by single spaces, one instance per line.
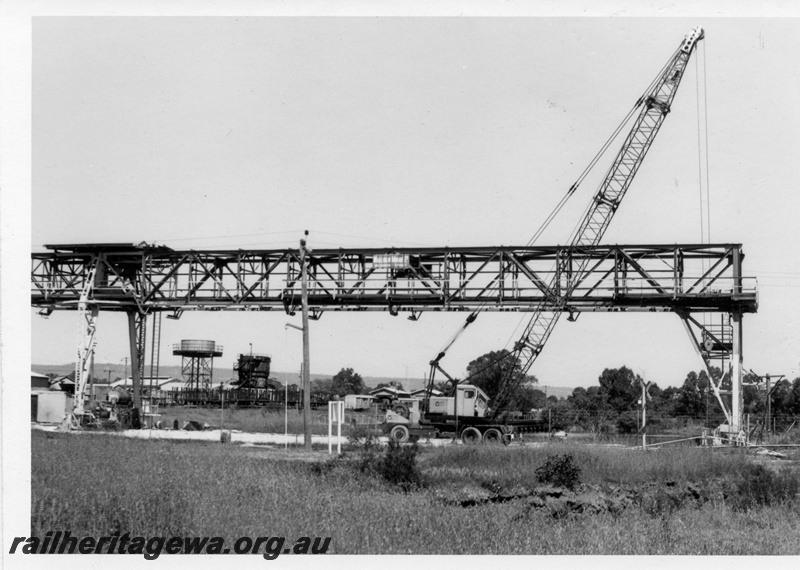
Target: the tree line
pixel 615 400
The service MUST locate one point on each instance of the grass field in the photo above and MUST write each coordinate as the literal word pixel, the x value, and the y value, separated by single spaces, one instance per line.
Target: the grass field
pixel 261 420
pixel 155 488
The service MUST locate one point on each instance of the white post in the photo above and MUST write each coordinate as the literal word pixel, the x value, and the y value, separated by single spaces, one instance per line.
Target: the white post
pixel 644 416
pixel 330 427
pixel 286 416
pixel 339 428
pixel 335 410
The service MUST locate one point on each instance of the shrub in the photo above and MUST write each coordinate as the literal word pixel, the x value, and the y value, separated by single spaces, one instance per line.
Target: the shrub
pixel 559 470
pixel 368 457
pixel 758 485
pixel 399 465
pixel 396 464
pixel 628 422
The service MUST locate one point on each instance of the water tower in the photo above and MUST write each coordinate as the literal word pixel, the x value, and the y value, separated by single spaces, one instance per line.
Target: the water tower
pixel 198 362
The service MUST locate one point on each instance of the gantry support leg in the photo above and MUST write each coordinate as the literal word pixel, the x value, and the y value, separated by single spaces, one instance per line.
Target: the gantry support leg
pixel 737 406
pixel 87 325
pixel 727 349
pixel 704 353
pixel 136 335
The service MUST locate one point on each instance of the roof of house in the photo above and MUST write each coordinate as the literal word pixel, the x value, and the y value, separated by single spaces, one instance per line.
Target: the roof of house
pixel 62 380
pixel 434 392
pixel 157 380
pixel 389 390
pixel 37 375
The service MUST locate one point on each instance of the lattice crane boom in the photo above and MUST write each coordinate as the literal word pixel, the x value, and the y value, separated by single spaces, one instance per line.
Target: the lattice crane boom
pixel 653 107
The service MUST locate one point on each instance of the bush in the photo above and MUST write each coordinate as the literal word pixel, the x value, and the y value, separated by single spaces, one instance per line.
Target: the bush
pixel 628 422
pixel 760 486
pixel 399 465
pixel 559 470
pixel 368 457
pixel 396 464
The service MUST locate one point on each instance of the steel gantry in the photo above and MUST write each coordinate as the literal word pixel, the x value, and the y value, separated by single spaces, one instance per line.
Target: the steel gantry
pixel 144 279
pixel 544 281
pixel 689 280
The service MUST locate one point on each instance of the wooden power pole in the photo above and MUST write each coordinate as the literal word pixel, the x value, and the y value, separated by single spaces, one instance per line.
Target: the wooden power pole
pixel 306 351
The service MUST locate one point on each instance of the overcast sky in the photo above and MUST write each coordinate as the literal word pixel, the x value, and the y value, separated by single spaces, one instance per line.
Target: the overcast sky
pixel 243 132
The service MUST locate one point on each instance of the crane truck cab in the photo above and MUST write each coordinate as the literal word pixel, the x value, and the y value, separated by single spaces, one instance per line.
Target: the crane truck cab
pixel 469 401
pixel 462 416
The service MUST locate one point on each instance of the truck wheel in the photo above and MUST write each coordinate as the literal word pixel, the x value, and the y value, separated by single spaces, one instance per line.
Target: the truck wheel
pixel 401 410
pixel 399 434
pixel 492 436
pixel 471 436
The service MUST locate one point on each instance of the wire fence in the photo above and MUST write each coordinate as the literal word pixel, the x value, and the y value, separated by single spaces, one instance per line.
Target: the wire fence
pixel 658 426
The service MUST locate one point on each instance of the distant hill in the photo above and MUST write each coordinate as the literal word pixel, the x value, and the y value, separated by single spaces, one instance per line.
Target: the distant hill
pixel 225 374
pixel 220 374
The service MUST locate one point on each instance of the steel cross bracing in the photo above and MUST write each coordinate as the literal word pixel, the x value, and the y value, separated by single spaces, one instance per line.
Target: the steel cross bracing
pixel 144 279
pixel 87 327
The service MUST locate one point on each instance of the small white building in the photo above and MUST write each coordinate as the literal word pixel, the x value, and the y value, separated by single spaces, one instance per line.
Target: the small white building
pixel 358 401
pixel 39 381
pixel 50 406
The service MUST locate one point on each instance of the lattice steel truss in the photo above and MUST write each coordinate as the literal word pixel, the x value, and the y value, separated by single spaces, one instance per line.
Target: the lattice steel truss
pixel 688 278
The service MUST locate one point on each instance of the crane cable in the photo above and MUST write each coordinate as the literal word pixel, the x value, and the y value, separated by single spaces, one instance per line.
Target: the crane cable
pixel 703 163
pixel 594 162
pixel 570 192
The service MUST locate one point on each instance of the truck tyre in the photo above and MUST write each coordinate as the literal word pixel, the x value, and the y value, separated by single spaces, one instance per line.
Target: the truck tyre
pixel 471 436
pixel 492 436
pixel 399 434
pixel 401 410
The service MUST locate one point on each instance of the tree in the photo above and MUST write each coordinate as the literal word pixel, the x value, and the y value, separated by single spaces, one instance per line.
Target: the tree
pixel 323 388
pixel 444 386
pixel 691 398
pixel 793 400
pixel 346 382
pixel 391 384
pixel 560 414
pixel 621 388
pixel 490 372
pixel 529 398
pixel 591 406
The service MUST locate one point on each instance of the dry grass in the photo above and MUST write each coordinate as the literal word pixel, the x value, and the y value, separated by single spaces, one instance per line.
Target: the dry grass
pixel 260 420
pixel 599 464
pixel 174 488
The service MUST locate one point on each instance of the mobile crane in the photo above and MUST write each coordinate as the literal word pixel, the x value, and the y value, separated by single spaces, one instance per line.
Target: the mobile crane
pixel 473 424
